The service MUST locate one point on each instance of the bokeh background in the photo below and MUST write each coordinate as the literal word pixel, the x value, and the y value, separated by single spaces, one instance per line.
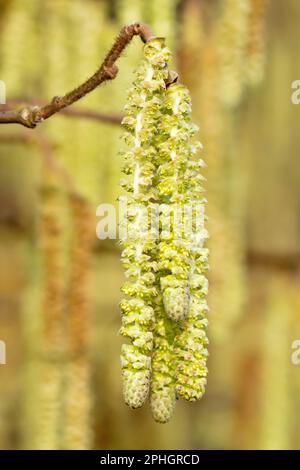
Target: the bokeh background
pixel 60 286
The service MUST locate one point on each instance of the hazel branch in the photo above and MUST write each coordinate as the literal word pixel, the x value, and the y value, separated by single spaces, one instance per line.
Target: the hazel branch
pixel 30 116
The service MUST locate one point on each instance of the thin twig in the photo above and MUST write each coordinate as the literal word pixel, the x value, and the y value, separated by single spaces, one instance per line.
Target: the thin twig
pixel 32 115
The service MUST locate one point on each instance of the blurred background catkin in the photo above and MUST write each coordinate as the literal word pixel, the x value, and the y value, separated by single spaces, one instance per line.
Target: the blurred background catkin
pixel 60 286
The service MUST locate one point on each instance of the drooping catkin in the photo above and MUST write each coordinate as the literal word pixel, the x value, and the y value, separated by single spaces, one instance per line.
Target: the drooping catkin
pixel 53 260
pixel 44 371
pixel 86 152
pixel 256 41
pixel 192 42
pixel 173 248
pixel 162 393
pixel 171 177
pixel 19 40
pixel 77 400
pixel 227 293
pixel 190 347
pixel 59 79
pixel 276 407
pixel 190 342
pixel 232 46
pixel 81 252
pixel 142 111
pixel 181 348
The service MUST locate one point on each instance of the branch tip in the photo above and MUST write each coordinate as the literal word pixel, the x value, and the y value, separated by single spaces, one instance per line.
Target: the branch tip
pixel 31 116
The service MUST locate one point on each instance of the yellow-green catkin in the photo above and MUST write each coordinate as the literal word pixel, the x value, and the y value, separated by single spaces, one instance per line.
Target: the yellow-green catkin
pixel 191 342
pixel 173 248
pixel 190 351
pixel 162 393
pixel 179 357
pixel 142 112
pixel 232 43
pixel 162 269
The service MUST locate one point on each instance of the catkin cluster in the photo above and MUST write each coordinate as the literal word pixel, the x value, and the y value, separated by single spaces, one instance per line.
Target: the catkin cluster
pixel 164 311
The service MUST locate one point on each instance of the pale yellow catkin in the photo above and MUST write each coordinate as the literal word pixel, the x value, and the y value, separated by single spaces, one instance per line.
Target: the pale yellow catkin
pixel 232 41
pixel 256 50
pixel 276 412
pixel 77 399
pixel 18 41
pixel 85 153
pixel 162 18
pixel 42 400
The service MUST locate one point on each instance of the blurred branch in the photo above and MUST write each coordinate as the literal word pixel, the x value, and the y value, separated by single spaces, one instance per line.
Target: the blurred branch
pixel 111 118
pixel 30 116
pixel 289 261
pixel 47 149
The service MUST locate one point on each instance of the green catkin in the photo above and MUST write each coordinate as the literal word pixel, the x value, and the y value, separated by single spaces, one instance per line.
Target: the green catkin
pixel 190 344
pixel 173 253
pixel 190 352
pixel 173 184
pixel 171 176
pixel 162 396
pixel 179 349
pixel 142 112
